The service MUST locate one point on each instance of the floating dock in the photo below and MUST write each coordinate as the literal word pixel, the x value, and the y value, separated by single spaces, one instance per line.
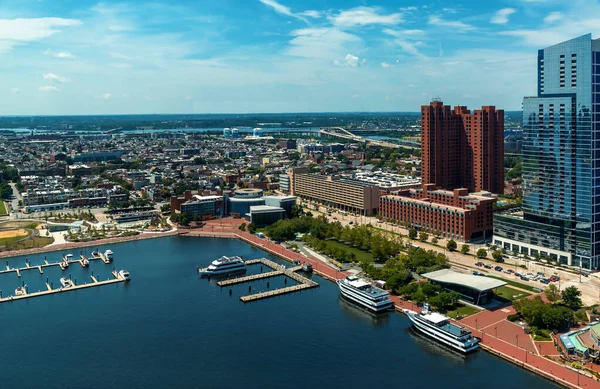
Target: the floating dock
pixel 278 270
pixel 28 266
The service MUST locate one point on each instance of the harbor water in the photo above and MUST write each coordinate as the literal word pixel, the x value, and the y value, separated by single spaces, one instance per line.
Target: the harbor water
pixel 167 328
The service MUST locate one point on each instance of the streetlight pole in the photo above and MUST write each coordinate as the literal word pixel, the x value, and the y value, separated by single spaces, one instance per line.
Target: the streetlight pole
pixel 517 336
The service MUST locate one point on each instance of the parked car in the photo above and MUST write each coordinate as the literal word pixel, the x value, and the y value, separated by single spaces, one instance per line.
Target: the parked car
pixel 498 268
pixel 544 281
pixel 488 266
pixel 507 271
pixel 524 278
pixel 479 264
pixel 518 274
pixel 475 273
pixel 554 278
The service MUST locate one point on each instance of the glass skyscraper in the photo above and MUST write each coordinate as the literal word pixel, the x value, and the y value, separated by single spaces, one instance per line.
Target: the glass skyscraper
pixel 560 217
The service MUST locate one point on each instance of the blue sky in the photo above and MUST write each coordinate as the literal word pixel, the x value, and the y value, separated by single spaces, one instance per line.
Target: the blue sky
pixel 200 56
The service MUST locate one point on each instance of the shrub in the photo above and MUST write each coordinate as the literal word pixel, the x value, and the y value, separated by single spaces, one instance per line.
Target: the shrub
pixel 513 317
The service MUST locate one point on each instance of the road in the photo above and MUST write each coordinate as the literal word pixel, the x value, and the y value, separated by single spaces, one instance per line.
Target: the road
pixel 589 286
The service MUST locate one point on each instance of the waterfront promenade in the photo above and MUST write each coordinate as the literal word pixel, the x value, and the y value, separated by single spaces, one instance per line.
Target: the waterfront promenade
pixel 498 336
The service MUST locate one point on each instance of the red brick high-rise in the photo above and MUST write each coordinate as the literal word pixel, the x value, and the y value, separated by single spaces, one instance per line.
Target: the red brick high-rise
pixel 460 149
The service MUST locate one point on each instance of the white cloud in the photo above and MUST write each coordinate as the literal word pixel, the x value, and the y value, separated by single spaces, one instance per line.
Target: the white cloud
pixel 48 88
pixel 116 55
pixel 364 16
pixel 501 16
pixel 279 8
pixel 403 40
pixel 410 48
pixel 462 27
pixel 386 65
pixel 59 54
pixel 403 33
pixel 105 96
pixel 411 8
pixel 21 30
pixel 326 43
pixel 311 14
pixel 14 90
pixel 54 77
pixel 351 60
pixel 553 17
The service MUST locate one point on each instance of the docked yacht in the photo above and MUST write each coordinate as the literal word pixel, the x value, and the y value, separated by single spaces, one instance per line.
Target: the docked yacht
pixel 20 291
pixel 84 262
pixel 109 255
pixel 124 274
pixel 439 327
pixel 224 265
pixel 68 257
pixel 64 265
pixel 365 294
pixel 65 282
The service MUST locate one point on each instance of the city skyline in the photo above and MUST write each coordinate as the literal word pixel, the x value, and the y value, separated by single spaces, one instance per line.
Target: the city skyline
pixel 77 58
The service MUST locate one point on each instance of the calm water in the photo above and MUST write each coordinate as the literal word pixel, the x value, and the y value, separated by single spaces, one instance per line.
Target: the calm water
pixel 169 329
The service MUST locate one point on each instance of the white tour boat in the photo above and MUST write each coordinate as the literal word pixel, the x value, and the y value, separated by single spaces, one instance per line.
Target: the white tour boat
pixel 124 274
pixel 224 265
pixel 365 294
pixel 439 327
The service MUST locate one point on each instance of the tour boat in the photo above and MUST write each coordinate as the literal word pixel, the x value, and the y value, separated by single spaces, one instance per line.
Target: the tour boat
pixel 224 265
pixel 64 265
pixel 109 255
pixel 66 283
pixel 20 291
pixel 365 294
pixel 124 274
pixel 439 327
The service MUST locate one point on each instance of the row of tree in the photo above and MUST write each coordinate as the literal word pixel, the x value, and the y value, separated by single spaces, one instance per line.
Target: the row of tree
pixel 555 315
pixel 432 294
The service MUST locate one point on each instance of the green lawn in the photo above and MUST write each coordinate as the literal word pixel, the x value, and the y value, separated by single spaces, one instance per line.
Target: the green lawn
pixel 461 310
pixel 361 255
pixel 508 293
pixel 3 208
pixel 517 284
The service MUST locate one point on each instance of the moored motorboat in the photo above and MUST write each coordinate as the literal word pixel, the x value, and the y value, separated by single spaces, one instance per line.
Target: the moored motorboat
pixel 124 274
pixel 84 262
pixel 63 265
pixel 440 328
pixel 108 254
pixel 20 291
pixel 224 265
pixel 65 282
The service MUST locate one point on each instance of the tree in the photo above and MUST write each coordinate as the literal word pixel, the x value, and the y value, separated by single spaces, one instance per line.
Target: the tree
pixel 296 211
pixel 434 240
pixel 552 293
pixel 423 236
pixel 571 297
pixel 419 297
pixel 252 228
pixel 481 253
pixel 497 255
pixel 412 234
pixel 242 227
pixel 465 249
pixel 451 245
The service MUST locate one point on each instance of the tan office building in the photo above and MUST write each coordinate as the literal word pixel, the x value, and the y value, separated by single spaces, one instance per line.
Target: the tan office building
pixel 345 194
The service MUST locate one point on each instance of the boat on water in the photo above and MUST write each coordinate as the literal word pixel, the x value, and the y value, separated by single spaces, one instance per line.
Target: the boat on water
pixel 109 255
pixel 124 274
pixel 68 257
pixel 364 294
pixel 440 328
pixel 65 282
pixel 224 265
pixel 84 262
pixel 95 253
pixel 307 267
pixel 64 265
pixel 20 291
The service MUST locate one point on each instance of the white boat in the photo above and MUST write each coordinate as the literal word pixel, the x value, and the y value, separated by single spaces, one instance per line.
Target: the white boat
pixel 439 327
pixel 84 262
pixel 95 253
pixel 64 265
pixel 66 283
pixel 109 255
pixel 124 274
pixel 20 291
pixel 364 294
pixel 224 265
pixel 68 257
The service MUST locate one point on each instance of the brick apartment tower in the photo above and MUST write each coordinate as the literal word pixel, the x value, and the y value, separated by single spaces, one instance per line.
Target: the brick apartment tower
pixel 460 149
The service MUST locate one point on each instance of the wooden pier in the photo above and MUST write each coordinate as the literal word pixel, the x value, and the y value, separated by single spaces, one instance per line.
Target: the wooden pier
pixel 278 270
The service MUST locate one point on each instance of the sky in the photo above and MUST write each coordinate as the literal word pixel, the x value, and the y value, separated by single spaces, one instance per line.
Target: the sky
pixel 77 57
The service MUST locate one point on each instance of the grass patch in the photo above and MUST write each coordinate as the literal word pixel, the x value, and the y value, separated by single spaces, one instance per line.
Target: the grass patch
pixel 38 241
pixel 361 255
pixel 517 284
pixel 12 239
pixel 541 335
pixel 460 310
pixel 507 293
pixel 3 211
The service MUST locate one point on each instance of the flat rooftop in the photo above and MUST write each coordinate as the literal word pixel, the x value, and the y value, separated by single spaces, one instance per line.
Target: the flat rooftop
pixel 475 282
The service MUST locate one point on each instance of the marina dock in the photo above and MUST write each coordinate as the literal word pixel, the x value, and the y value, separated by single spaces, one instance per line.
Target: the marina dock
pixel 277 270
pixel 28 266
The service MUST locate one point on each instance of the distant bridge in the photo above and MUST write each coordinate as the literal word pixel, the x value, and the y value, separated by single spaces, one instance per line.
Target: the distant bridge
pixel 345 134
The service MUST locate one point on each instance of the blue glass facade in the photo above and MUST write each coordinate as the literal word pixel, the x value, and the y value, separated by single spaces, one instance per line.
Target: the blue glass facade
pixel 561 156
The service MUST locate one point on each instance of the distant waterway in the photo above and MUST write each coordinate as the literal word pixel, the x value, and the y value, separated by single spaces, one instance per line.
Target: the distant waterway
pixel 169 329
